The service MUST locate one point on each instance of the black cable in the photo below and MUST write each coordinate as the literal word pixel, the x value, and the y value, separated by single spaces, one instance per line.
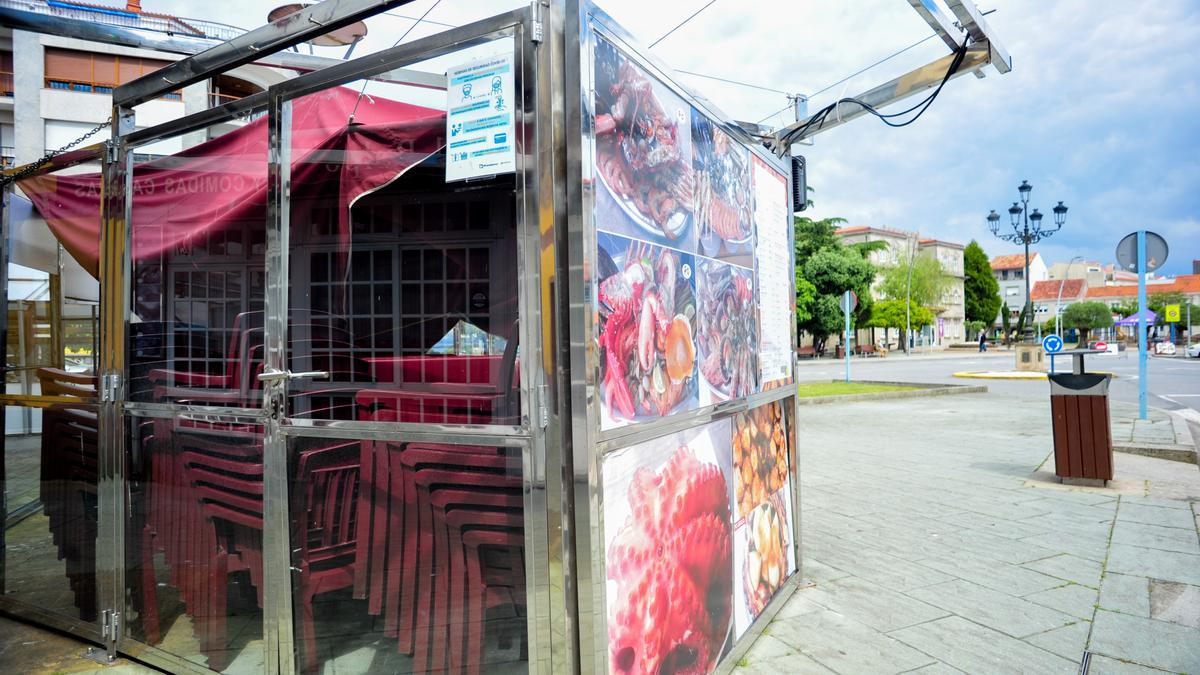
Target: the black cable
pixel 819 118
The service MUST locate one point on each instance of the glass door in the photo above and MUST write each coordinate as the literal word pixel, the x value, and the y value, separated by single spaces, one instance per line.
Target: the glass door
pixel 195 590
pixel 407 358
pixel 49 453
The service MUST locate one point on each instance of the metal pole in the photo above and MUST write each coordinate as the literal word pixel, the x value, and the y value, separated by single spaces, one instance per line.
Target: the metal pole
pixel 1028 308
pixel 1142 356
pixel 846 311
pixel 908 300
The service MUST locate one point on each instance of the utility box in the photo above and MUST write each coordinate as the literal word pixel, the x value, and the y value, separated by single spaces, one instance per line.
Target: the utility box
pixel 1082 436
pixel 1030 357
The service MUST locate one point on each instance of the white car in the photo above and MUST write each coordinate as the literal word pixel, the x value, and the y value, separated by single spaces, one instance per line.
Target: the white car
pixel 1193 351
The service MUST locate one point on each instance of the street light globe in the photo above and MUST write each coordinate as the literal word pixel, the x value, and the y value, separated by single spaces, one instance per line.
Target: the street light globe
pixel 1060 214
pixel 1036 217
pixel 1014 212
pixel 993 219
pixel 1025 188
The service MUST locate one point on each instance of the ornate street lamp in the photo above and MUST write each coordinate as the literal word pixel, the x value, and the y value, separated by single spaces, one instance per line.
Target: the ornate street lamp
pixel 1027 229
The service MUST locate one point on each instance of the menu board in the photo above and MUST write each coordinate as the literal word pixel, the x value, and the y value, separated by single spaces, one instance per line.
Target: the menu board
pixel 479 118
pixel 774 257
pixel 697 540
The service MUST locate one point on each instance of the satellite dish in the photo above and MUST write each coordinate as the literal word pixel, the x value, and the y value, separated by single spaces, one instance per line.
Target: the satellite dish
pixel 346 35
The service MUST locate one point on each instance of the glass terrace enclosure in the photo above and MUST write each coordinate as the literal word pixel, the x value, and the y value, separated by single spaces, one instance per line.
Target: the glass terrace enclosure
pixel 470 355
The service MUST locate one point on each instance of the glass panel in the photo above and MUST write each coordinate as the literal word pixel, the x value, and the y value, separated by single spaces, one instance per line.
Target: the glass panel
pixel 199 233
pixel 403 283
pixel 48 516
pixel 194 546
pixel 409 557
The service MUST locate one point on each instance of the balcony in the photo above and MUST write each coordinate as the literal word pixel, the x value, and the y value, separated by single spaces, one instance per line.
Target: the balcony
pixel 8 157
pixel 119 16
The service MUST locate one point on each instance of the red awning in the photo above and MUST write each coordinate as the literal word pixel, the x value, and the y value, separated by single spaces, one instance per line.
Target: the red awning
pixel 223 182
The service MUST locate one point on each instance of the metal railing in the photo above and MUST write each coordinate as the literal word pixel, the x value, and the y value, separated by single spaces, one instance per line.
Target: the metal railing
pixel 119 16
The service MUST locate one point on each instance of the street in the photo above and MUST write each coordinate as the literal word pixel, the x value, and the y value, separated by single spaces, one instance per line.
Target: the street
pixel 1174 383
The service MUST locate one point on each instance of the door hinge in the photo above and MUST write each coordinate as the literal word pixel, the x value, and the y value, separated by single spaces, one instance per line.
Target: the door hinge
pixel 543 410
pixel 109 383
pixel 110 625
pixel 535 8
pixel 110 152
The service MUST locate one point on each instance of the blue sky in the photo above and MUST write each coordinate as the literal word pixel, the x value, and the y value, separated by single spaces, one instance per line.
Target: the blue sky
pixel 1101 110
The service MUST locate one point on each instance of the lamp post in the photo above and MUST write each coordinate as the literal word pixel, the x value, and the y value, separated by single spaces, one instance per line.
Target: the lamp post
pixel 1027 229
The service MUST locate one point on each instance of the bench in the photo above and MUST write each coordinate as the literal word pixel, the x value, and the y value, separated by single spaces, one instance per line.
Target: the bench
pixel 808 352
pixel 869 350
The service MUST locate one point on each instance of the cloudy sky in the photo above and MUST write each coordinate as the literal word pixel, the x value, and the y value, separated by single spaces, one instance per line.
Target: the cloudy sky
pixel 1100 110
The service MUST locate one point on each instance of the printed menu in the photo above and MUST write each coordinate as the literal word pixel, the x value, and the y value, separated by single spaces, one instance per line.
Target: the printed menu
pixel 773 255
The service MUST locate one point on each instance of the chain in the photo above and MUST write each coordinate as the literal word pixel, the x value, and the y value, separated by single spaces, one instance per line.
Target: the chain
pixel 33 167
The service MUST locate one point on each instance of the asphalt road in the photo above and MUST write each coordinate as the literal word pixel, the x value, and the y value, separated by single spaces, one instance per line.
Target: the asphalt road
pixel 1172 383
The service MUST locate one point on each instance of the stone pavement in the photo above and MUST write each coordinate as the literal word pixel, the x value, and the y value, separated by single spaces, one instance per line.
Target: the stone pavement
pixel 932 549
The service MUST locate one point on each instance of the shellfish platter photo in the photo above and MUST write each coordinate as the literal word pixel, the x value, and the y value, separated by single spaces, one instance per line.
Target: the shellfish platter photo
pixel 646 304
pixel 724 193
pixel 727 331
pixel 643 153
pixel 668 552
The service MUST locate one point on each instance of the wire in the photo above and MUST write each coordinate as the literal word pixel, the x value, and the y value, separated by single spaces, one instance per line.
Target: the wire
pixel 681 23
pixel 742 84
pixel 819 118
pixel 400 39
pixel 413 18
pixel 775 113
pixel 880 61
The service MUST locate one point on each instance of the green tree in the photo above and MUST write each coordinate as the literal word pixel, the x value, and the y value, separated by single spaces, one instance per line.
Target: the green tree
pixel 926 286
pixel 1006 324
pixel 980 288
pixel 1158 304
pixel 1085 316
pixel 814 235
pixel 806 297
pixel 975 327
pixel 832 271
pixel 890 313
pixel 1125 308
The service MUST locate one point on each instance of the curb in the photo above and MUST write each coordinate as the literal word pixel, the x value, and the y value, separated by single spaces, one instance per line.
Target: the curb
pixel 923 390
pixel 1012 374
pixel 1174 453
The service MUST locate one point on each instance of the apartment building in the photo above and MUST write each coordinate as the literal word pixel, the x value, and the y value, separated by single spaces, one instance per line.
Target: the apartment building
pixel 1009 271
pixel 950 312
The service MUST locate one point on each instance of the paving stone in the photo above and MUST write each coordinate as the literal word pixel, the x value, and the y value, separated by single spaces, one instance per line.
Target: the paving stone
pixel 1069 567
pixel 1092 547
pixel 1074 599
pixel 817 571
pixel 1125 593
pixel 1155 515
pixel 1103 665
pixel 801 602
pixel 1068 642
pixel 975 649
pixel 1012 615
pixel 844 645
pixel 1149 562
pixel 1150 501
pixel 876 606
pixel 995 575
pixel 935 669
pixel 997 547
pixel 1177 603
pixel 1146 641
pixel 883 569
pixel 770 656
pixel 1156 536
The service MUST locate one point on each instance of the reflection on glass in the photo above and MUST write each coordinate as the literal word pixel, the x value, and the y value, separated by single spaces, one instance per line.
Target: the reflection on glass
pixel 408 557
pixel 194 547
pixel 408 280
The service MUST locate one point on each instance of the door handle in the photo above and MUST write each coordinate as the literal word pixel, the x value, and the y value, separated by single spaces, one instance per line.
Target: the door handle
pixel 273 375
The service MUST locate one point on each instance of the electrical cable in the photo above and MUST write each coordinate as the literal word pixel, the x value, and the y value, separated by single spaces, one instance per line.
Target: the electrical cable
pixel 880 61
pixel 681 23
pixel 741 84
pixel 818 119
pixel 413 18
pixel 400 39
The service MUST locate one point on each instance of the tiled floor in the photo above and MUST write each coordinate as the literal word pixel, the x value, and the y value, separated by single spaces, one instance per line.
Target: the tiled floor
pixel 931 550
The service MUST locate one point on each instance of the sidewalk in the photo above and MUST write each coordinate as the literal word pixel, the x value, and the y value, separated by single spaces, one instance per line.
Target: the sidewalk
pixel 931 550
pixel 1164 434
pixel 916 355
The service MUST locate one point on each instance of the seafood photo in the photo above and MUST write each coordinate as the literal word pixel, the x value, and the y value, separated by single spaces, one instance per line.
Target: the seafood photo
pixel 765 566
pixel 727 340
pixel 724 208
pixel 647 310
pixel 760 456
pixel 643 153
pixel 669 565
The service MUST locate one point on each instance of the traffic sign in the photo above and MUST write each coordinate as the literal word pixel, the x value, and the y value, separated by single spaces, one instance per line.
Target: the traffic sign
pixel 1156 252
pixel 1101 345
pixel 1053 344
pixel 848 302
pixel 1171 315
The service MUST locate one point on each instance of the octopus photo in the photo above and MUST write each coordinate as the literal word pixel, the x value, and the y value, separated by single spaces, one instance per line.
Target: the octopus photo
pixel 671 562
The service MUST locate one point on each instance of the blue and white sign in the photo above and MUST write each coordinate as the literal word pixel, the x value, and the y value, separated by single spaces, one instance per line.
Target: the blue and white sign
pixel 1053 344
pixel 479 118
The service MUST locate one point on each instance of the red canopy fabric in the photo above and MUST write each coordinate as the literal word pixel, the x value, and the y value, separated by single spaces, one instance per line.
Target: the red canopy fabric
pixel 223 182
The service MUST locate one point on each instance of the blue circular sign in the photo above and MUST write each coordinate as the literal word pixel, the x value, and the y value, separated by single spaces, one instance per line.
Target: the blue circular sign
pixel 1053 344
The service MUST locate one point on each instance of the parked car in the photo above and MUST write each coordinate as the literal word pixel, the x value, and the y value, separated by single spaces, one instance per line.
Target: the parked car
pixel 1193 351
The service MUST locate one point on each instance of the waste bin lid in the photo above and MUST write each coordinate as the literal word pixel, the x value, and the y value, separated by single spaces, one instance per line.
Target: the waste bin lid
pixel 1083 384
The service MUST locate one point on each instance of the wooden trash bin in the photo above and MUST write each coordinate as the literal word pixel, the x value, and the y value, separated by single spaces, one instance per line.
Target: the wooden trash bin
pixel 1082 437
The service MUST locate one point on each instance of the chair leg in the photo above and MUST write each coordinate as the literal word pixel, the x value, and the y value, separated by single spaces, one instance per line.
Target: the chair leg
pixel 150 622
pixel 308 633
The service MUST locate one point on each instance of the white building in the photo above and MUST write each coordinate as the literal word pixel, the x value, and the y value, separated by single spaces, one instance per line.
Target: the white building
pixel 1009 271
